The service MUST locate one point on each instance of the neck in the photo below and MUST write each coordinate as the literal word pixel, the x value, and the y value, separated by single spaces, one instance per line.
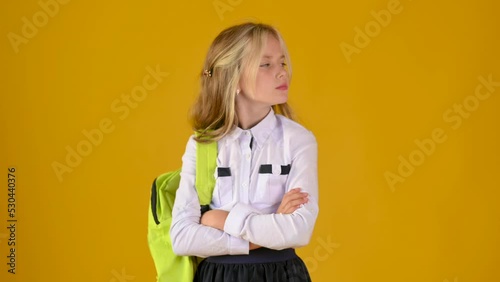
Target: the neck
pixel 248 117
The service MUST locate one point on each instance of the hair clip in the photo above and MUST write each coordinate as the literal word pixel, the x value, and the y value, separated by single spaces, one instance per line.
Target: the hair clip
pixel 207 73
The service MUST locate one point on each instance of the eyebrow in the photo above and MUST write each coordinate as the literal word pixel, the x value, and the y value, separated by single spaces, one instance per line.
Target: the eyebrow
pixel 270 57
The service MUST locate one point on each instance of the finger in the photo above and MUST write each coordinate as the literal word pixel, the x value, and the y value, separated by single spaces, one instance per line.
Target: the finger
pixel 294 190
pixel 291 206
pixel 285 209
pixel 295 197
pixel 297 202
pixel 291 209
pixel 294 194
pixel 295 206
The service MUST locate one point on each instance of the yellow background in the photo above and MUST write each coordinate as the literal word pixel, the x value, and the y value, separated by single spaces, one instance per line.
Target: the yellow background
pixel 367 109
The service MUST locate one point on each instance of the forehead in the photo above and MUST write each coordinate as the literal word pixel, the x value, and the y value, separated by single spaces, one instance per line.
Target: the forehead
pixel 272 49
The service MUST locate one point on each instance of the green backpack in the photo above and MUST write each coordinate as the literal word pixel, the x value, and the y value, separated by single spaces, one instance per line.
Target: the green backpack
pixel 169 266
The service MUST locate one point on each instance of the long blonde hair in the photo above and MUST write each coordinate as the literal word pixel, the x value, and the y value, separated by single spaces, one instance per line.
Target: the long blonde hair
pixel 236 51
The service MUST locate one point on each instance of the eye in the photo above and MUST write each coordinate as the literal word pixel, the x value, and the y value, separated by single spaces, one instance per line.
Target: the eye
pixel 264 65
pixel 283 64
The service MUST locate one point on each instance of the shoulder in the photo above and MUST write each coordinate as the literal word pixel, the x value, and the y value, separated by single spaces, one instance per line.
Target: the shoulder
pixel 295 136
pixel 191 143
pixel 190 149
pixel 295 132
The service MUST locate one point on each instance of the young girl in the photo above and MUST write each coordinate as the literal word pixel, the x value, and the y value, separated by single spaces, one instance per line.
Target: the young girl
pixel 265 200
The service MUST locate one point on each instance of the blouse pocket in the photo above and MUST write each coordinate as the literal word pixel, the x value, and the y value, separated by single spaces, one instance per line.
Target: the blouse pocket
pixel 271 183
pixel 223 190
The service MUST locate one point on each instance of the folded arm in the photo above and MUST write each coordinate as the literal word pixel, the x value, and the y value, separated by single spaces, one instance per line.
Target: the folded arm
pixel 291 202
pixel 189 237
pixel 280 231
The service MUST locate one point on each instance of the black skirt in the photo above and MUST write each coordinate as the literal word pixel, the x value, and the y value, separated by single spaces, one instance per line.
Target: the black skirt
pixel 261 265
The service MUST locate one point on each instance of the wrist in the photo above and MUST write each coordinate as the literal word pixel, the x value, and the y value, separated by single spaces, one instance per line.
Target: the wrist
pixel 214 218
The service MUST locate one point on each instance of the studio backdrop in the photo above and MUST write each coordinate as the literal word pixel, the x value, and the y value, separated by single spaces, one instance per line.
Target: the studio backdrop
pixel 403 97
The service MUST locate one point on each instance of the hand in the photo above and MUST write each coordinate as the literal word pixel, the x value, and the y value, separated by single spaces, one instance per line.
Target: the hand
pixel 214 218
pixel 253 246
pixel 292 201
pixel 217 219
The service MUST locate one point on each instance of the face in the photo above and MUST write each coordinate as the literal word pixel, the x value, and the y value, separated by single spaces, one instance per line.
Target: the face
pixel 272 78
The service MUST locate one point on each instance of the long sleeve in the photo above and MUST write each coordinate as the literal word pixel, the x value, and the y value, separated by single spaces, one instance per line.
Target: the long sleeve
pixel 279 231
pixel 189 237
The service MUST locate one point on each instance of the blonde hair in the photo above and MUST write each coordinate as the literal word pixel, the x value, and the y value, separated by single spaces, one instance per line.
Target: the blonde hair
pixel 236 51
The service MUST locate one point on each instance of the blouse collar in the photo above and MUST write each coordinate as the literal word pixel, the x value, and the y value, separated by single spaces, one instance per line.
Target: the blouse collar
pixel 260 132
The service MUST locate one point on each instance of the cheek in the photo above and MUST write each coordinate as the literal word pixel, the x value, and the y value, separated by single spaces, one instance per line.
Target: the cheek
pixel 244 86
pixel 258 84
pixel 263 81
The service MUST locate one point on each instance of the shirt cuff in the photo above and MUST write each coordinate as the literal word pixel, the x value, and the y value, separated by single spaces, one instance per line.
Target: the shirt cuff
pixel 235 220
pixel 238 246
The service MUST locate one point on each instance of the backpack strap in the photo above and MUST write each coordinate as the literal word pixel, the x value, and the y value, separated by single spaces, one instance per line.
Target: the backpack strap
pixel 206 162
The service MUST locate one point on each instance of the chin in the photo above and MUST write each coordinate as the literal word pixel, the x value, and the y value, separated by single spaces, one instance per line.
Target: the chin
pixel 283 100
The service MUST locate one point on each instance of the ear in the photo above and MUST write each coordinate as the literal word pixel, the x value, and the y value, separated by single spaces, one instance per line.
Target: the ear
pixel 239 88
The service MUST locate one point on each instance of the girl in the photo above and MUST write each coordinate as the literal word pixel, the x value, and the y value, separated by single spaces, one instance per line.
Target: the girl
pixel 265 201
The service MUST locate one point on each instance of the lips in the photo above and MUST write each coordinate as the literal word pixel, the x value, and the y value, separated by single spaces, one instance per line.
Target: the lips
pixel 282 87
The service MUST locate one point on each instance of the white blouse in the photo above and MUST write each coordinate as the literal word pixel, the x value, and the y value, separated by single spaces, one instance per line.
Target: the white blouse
pixel 255 168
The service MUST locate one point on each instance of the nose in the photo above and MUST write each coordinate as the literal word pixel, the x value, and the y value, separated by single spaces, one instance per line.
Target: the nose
pixel 281 73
